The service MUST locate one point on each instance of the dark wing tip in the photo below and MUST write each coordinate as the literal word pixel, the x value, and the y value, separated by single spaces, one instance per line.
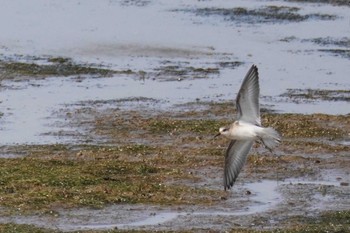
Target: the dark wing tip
pixel 253 71
pixel 230 184
pixel 254 67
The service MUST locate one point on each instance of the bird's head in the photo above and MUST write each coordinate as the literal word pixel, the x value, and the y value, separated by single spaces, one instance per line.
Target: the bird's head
pixel 223 131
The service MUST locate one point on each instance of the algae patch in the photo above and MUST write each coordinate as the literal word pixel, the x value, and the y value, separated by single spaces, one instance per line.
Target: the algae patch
pixel 266 14
pixel 329 221
pixel 345 53
pixel 15 68
pixel 93 176
pixel 326 41
pixel 342 45
pixel 178 73
pixel 317 94
pixel 23 228
pixel 332 2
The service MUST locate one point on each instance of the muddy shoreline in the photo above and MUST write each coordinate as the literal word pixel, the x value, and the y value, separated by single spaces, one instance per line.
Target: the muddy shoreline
pixel 169 174
pixel 107 124
pixel 133 165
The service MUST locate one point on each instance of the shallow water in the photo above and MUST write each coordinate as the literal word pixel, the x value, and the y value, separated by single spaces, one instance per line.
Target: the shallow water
pixel 141 35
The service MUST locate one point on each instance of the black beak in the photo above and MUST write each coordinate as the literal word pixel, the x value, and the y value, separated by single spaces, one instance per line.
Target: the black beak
pixel 217 135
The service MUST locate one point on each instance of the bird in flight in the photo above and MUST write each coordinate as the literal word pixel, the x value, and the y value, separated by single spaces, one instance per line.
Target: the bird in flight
pixel 246 129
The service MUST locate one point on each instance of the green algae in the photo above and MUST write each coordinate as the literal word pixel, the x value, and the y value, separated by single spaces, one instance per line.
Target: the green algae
pixel 39 182
pixel 52 66
pixel 176 125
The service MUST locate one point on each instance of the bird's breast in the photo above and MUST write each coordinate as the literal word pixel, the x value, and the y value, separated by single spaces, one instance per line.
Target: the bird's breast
pixel 245 132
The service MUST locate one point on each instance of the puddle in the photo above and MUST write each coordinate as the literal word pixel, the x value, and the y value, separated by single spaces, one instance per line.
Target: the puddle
pixel 155 220
pixel 265 195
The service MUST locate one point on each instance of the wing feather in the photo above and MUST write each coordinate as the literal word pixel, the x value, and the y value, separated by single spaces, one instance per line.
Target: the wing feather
pixel 247 101
pixel 236 156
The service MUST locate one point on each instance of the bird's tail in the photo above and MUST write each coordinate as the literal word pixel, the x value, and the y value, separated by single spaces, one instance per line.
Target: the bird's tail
pixel 270 138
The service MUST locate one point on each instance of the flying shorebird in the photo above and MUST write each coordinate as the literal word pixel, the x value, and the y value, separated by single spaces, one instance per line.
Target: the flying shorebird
pixel 246 129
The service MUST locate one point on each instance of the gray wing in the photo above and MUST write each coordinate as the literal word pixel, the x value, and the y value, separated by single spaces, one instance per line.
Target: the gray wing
pixel 247 101
pixel 236 156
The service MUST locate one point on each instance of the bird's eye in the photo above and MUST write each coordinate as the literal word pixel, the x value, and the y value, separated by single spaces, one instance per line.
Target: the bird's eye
pixel 224 130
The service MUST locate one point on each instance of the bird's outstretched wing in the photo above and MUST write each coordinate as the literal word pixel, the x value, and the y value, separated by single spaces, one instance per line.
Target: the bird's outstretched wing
pixel 236 156
pixel 247 101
